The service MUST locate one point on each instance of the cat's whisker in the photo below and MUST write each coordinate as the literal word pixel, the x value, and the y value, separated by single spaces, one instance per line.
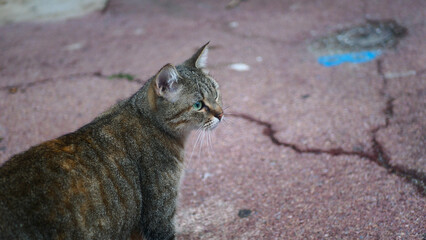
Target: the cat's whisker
pixel 236 127
pixel 198 132
pixel 208 141
pixel 203 132
pixel 211 140
pixel 227 117
pixel 205 142
pixel 209 144
pixel 201 143
pixel 226 108
pixel 226 120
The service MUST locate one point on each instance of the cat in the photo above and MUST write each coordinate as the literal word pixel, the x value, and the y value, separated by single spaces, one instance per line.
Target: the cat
pixel 118 176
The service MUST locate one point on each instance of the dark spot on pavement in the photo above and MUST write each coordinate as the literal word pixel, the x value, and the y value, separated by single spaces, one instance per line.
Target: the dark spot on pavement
pixel 305 96
pixel 243 213
pixel 358 148
pixel 13 90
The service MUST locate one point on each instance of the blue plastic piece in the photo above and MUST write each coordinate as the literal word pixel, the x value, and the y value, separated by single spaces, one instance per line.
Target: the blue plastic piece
pixel 354 57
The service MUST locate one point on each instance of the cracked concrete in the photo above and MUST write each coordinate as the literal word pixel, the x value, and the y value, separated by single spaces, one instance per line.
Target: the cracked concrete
pixel 23 86
pixel 312 152
pixel 377 154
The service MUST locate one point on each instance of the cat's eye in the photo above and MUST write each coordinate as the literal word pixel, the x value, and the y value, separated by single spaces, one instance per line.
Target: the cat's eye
pixel 198 105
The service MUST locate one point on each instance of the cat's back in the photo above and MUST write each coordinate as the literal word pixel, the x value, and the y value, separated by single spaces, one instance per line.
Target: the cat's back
pixel 79 186
pixel 27 193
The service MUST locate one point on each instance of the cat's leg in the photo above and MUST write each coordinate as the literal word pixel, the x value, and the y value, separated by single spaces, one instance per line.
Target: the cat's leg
pixel 138 235
pixel 164 230
pixel 158 218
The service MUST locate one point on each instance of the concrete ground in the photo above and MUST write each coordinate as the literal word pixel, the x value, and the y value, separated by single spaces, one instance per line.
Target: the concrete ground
pixel 306 152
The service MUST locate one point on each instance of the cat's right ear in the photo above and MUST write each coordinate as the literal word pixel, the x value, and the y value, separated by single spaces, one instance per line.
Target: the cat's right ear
pixel 199 59
pixel 166 83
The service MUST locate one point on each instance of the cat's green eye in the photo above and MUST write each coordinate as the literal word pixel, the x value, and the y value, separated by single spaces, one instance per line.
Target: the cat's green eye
pixel 198 105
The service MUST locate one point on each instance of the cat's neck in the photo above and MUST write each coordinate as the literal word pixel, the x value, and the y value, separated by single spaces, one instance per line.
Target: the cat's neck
pixel 144 102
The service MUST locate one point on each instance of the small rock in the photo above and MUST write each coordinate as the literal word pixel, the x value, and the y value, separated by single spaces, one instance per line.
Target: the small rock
pixel 207 175
pixel 243 213
pixel 305 96
pixel 400 74
pixel 233 3
pixel 358 148
pixel 240 67
pixel 138 32
pixel 233 24
pixel 74 46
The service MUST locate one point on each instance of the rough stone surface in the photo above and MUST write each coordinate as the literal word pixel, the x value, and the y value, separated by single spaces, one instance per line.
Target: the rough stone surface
pixel 312 152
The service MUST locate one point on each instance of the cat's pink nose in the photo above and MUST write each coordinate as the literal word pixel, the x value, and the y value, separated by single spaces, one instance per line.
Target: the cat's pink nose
pixel 220 116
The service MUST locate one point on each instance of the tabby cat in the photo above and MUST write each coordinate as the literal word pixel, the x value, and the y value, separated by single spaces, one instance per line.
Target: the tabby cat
pixel 118 176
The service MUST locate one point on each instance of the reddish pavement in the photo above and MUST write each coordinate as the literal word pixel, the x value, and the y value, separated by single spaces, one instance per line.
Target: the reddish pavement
pixel 306 152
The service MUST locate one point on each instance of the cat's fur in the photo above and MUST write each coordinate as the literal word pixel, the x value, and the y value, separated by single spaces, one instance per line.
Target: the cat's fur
pixel 118 176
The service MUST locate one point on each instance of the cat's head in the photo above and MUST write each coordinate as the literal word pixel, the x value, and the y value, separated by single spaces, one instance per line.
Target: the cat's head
pixel 186 97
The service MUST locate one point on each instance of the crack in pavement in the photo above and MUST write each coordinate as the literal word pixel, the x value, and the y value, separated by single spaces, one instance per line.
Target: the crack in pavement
pixel 23 86
pixel 388 110
pixel 377 154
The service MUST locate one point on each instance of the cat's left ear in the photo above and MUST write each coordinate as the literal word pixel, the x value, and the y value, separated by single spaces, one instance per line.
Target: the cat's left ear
pixel 199 59
pixel 167 83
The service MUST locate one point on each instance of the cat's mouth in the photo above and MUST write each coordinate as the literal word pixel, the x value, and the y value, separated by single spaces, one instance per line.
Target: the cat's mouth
pixel 212 124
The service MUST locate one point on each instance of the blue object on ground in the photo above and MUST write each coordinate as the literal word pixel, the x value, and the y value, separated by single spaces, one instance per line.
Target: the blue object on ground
pixel 354 57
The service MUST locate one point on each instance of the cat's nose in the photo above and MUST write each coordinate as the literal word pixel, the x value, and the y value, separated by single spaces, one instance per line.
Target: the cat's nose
pixel 219 116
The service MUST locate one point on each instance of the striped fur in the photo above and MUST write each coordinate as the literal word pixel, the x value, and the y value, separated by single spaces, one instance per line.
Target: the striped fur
pixel 118 176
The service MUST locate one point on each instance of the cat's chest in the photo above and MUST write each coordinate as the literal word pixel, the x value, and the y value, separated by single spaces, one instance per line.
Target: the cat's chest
pixel 162 162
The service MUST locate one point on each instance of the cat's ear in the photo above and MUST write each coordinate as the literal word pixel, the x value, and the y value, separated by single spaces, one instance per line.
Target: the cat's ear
pixel 166 83
pixel 199 59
